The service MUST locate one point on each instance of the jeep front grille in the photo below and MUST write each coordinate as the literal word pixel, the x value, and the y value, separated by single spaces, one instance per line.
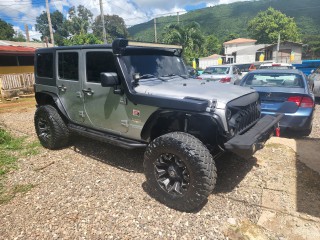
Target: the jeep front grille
pixel 243 117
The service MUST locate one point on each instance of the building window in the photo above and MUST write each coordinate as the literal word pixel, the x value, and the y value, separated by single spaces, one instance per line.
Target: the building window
pixel 45 65
pixel 68 65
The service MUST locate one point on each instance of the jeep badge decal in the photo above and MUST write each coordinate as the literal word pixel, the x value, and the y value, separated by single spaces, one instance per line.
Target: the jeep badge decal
pixel 136 113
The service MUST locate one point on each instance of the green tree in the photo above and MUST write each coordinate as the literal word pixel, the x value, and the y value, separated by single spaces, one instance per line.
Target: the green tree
pixel 82 39
pixel 115 27
pixel 312 46
pixel 79 20
pixel 212 46
pixel 19 37
pixel 6 30
pixel 231 36
pixel 58 26
pixel 189 36
pixel 267 26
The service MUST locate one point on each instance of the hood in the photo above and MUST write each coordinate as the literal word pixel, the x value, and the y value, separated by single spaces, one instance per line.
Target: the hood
pixel 200 89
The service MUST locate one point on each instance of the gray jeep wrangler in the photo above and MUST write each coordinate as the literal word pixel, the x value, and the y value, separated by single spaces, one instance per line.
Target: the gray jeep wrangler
pixel 141 97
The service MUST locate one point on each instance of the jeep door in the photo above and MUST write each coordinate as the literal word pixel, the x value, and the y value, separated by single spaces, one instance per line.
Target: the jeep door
pixel 69 83
pixel 104 109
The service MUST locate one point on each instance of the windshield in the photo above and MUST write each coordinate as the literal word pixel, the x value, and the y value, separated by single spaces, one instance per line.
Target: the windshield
pixel 154 66
pixel 290 80
pixel 216 70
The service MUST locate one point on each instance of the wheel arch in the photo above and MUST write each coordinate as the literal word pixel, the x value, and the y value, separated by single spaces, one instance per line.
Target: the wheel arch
pixel 47 98
pixel 201 125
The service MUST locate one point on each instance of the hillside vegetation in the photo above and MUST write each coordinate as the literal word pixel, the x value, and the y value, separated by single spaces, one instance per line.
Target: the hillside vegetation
pixel 226 19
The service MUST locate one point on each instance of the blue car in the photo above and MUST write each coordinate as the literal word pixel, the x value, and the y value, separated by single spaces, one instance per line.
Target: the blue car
pixel 287 92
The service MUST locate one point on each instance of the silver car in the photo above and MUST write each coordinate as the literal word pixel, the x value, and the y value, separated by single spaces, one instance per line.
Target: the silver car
pixel 221 73
pixel 314 81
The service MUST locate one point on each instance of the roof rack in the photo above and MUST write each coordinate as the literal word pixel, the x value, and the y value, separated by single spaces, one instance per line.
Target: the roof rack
pixel 121 43
pixel 156 45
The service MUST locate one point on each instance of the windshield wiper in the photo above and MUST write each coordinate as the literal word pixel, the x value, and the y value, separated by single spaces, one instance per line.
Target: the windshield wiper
pixel 172 75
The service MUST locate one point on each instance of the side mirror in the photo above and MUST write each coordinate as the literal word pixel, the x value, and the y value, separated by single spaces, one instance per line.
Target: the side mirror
pixel 109 79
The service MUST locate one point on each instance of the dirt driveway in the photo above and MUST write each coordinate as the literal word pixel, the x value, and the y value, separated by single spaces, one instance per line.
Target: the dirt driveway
pixel 93 190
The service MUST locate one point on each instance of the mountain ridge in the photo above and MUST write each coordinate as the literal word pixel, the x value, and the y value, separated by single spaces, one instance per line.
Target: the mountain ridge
pixel 213 20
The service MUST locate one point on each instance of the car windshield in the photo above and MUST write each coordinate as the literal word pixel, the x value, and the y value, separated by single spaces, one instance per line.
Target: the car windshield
pixel 289 80
pixel 154 66
pixel 216 70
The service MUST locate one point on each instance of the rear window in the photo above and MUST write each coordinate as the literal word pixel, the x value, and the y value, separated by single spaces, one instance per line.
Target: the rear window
pixel 216 70
pixel 290 80
pixel 68 65
pixel 45 65
pixel 276 67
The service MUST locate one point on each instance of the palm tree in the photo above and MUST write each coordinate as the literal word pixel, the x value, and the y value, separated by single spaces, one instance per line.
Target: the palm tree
pixel 189 37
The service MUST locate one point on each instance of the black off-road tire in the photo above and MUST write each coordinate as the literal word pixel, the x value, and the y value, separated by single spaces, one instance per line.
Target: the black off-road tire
pixel 52 131
pixel 194 156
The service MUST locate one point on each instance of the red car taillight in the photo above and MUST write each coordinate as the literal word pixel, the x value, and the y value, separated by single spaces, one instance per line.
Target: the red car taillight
pixel 304 102
pixel 225 80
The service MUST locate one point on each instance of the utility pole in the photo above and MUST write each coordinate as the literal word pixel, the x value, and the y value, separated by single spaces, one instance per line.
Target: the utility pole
pixel 104 34
pixel 178 18
pixel 155 30
pixel 49 22
pixel 27 32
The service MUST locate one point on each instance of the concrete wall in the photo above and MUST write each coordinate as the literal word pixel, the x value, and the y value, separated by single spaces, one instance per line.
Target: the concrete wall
pixel 297 49
pixel 204 63
pixel 229 49
pixel 16 69
pixel 246 58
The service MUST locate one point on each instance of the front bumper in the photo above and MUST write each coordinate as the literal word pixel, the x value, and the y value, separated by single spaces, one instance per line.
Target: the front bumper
pixel 249 142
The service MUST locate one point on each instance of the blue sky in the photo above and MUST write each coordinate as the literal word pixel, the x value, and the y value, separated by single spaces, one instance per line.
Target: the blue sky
pixel 20 12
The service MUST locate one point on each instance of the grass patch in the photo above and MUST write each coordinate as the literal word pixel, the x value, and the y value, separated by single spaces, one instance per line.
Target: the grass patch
pixel 10 150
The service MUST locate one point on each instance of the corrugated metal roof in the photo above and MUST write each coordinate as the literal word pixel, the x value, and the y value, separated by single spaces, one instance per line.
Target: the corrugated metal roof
pixel 15 49
pixel 24 44
pixel 240 40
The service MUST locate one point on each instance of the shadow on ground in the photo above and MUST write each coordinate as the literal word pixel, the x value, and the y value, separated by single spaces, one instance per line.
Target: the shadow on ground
pixel 124 159
pixel 308 180
pixel 231 171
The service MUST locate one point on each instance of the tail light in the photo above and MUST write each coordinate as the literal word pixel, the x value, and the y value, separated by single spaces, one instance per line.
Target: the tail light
pixel 304 102
pixel 225 80
pixel 200 78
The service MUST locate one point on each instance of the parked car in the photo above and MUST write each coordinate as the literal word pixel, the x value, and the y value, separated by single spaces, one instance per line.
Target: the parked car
pixel 221 73
pixel 140 96
pixel 284 91
pixel 276 66
pixel 244 68
pixel 314 79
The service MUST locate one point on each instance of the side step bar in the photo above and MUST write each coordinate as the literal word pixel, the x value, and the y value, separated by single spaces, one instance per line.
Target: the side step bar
pixel 106 137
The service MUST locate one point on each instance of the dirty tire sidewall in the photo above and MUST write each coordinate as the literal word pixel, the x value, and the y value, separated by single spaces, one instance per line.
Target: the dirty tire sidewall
pixel 199 162
pixel 57 128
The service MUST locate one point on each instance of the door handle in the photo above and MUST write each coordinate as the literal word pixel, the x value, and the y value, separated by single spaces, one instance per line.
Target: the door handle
pixel 88 91
pixel 62 88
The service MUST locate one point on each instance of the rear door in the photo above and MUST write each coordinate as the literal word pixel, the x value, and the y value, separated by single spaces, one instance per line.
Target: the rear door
pixel 69 83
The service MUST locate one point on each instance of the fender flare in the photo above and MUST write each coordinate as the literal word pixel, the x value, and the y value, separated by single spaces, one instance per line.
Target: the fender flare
pixel 56 101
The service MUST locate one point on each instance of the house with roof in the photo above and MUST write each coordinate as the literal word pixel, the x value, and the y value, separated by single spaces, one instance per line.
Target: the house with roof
pixel 244 50
pixel 17 67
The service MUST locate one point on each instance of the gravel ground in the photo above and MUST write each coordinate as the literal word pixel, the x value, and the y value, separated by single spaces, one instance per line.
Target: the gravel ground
pixel 93 190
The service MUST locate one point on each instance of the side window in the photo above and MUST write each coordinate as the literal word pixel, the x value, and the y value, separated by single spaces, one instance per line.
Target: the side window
pixel 68 65
pixel 45 65
pixel 98 62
